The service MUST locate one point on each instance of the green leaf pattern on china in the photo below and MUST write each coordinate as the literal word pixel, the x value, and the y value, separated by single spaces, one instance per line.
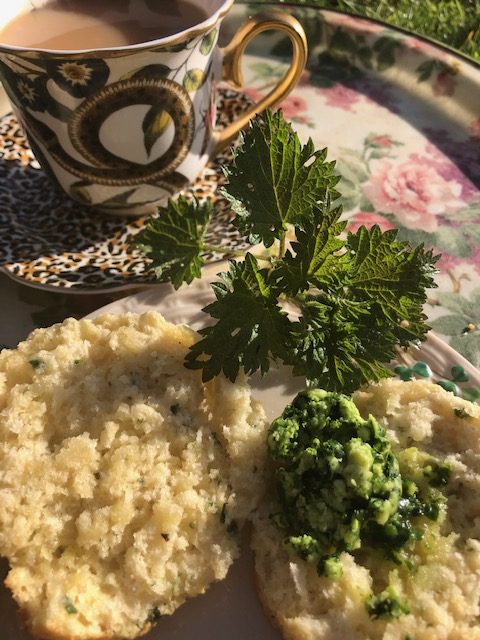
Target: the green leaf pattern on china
pixel 154 125
pixel 193 80
pixel 207 42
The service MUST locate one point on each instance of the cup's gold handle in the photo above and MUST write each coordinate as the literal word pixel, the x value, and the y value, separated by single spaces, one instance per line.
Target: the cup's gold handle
pixel 232 71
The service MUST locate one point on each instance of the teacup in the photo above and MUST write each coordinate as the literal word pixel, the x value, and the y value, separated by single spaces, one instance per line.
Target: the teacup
pixel 123 128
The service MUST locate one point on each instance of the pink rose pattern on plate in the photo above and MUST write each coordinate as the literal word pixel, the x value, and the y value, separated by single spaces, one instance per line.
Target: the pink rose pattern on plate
pixel 414 192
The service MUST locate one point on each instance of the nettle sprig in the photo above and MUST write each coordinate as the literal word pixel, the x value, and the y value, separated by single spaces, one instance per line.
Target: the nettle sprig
pixel 352 298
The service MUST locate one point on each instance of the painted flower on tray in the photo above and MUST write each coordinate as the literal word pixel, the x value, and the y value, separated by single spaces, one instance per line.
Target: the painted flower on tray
pixel 78 77
pixel 414 192
pixel 425 49
pixel 254 94
pixel 368 219
pixel 340 96
pixel 445 83
pixel 292 107
pixel 379 140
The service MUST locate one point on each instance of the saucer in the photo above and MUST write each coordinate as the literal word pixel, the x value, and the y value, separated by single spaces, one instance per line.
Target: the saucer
pixel 50 241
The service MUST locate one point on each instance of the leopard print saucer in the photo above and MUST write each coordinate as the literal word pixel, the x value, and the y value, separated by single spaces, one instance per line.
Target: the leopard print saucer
pixel 49 241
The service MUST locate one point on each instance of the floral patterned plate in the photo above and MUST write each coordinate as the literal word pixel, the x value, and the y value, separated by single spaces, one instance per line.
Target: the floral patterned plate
pixel 399 114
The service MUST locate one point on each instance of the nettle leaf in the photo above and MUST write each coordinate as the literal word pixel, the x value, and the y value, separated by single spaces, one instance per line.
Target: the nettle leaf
pixel 207 42
pixel 154 124
pixel 335 343
pixel 193 80
pixel 174 240
pixel 274 181
pixel 251 328
pixel 393 278
pixel 358 299
pixel 314 258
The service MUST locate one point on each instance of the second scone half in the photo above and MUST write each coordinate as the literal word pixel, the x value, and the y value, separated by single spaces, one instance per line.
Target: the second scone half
pixel 429 593
pixel 124 480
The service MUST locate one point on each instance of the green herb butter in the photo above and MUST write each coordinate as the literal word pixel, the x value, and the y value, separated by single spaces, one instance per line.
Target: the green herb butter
pixel 387 604
pixel 340 484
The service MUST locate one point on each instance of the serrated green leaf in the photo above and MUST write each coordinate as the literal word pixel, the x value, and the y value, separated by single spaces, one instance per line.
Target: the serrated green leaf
pixel 193 80
pixel 313 260
pixel 328 321
pixel 274 181
pixel 207 42
pixel 154 124
pixel 174 240
pixel 392 277
pixel 251 328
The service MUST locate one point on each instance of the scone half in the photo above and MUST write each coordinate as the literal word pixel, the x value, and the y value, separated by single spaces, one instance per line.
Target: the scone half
pixel 442 589
pixel 124 480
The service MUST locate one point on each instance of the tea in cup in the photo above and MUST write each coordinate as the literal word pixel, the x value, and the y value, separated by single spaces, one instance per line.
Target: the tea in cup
pixel 117 97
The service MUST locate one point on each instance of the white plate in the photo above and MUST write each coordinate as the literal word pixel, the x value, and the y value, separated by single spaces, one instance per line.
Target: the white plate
pixel 230 609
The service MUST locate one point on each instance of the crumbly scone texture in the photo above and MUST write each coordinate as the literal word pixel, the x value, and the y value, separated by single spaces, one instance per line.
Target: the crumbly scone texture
pixel 443 592
pixel 124 479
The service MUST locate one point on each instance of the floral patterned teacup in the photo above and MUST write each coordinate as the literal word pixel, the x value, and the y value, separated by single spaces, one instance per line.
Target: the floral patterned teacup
pixel 123 128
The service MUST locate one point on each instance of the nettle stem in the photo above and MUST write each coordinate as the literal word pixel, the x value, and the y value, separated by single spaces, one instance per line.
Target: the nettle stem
pixel 228 251
pixel 281 248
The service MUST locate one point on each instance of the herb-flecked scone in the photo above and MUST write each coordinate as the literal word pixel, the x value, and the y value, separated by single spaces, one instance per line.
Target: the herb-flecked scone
pixel 124 480
pixel 373 531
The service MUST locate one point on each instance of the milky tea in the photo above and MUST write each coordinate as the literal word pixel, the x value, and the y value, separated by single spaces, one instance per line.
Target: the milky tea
pixel 93 24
